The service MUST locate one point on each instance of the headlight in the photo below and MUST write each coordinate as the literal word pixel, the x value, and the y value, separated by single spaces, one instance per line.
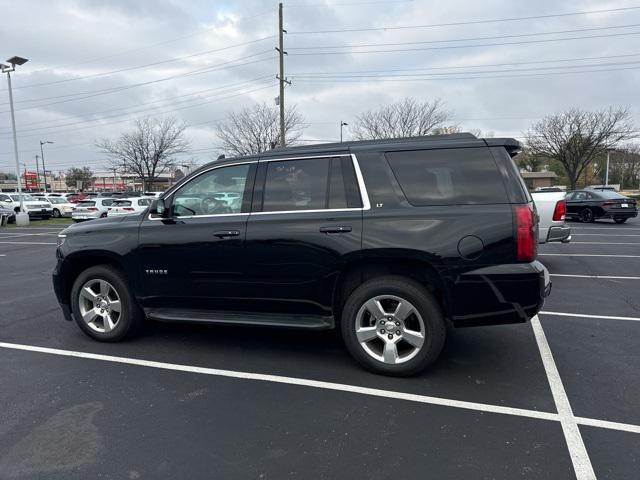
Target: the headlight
pixel 61 239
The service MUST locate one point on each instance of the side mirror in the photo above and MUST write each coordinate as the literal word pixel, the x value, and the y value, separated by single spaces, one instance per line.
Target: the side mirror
pixel 158 208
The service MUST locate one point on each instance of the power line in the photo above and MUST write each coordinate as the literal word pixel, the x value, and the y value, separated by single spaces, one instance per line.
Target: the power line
pixel 537 69
pixel 107 91
pixel 161 100
pixel 146 65
pixel 446 47
pixel 529 62
pixel 156 113
pixel 343 80
pixel 468 22
pixel 496 37
pixel 343 4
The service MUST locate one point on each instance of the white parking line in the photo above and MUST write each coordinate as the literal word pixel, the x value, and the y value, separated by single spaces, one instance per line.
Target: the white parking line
pixel 579 456
pixel 411 397
pixel 605 243
pixel 584 315
pixel 599 277
pixel 29 243
pixel 17 235
pixel 603 229
pixel 604 235
pixel 585 255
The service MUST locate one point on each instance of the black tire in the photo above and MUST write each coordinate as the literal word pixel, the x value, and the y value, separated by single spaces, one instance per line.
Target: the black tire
pixel 586 215
pixel 619 220
pixel 423 301
pixel 56 213
pixel 103 215
pixel 130 318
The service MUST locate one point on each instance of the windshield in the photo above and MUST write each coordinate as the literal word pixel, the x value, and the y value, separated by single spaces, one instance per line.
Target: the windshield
pixel 25 198
pixel 56 201
pixel 87 204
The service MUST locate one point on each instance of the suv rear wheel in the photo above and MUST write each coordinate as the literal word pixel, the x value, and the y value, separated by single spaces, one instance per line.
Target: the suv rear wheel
pixel 619 220
pixel 393 325
pixel 103 306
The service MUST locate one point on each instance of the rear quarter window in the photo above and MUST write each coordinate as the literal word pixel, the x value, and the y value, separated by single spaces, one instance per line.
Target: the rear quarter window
pixel 455 176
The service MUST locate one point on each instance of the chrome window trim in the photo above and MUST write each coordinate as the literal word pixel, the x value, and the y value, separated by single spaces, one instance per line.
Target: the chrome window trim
pixel 364 195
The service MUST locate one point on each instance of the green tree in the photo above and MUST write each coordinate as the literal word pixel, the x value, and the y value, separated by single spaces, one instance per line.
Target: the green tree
pixel 75 175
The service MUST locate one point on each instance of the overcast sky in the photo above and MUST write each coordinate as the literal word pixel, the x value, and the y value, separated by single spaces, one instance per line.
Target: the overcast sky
pixel 95 65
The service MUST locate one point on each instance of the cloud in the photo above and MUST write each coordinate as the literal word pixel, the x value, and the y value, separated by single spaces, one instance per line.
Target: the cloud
pixel 150 47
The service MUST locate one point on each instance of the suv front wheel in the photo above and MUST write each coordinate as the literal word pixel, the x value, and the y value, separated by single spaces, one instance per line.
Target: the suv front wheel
pixel 393 325
pixel 103 306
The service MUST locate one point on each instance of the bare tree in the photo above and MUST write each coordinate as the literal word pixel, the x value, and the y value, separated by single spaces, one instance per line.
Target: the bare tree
pixel 406 118
pixel 576 138
pixel 148 150
pixel 529 161
pixel 257 128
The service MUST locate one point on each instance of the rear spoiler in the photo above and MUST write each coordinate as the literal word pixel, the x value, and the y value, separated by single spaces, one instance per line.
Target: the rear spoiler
pixel 512 145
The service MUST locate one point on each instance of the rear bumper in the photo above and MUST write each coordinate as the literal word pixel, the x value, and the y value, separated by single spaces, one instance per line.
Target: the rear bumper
pixel 620 213
pixel 510 293
pixel 561 233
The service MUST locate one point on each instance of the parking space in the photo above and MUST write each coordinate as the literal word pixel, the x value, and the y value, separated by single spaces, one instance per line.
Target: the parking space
pixel 271 404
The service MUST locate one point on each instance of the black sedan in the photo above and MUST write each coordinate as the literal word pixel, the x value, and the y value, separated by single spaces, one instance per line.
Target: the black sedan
pixel 588 205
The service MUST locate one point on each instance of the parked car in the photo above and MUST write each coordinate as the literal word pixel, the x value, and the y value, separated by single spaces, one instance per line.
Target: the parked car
pixel 552 208
pixel 128 206
pixel 76 197
pixel 387 240
pixel 589 205
pixel 60 206
pixel 548 189
pixel 152 194
pixel 35 207
pixel 8 213
pixel 91 209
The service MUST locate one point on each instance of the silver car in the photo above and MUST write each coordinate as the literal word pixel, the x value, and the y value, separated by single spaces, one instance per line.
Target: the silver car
pixel 90 209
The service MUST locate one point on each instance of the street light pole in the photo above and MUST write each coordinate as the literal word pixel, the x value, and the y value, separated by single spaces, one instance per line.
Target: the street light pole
pixel 606 175
pixel 342 124
pixel 22 218
pixel 37 173
pixel 44 169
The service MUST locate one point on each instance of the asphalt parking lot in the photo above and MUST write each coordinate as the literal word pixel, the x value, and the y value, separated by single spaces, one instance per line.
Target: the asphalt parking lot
pixel 554 398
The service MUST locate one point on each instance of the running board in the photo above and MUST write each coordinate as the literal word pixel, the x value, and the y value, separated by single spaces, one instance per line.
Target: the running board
pixel 307 322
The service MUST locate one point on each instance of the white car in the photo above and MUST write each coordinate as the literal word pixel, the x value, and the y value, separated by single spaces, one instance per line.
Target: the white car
pixel 61 207
pixel 129 206
pixel 90 209
pixel 35 207
pixel 552 208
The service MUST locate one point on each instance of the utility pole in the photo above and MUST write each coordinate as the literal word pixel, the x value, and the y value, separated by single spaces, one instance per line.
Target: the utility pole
pixel 37 172
pixel 44 170
pixel 606 175
pixel 281 77
pixel 114 179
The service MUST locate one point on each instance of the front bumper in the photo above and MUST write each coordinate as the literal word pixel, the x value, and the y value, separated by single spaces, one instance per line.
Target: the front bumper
pixel 58 289
pixel 560 233
pixel 40 213
pixel 499 294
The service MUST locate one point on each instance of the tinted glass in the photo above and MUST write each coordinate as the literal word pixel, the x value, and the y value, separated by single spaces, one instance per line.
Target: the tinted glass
pixel 144 202
pixel 87 204
pixel 457 176
pixel 337 190
pixel 208 194
pixel 296 185
pixel 107 202
pixel 121 203
pixel 608 194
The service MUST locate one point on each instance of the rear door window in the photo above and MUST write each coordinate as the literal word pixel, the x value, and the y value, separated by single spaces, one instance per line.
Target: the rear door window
pixel 455 176
pixel 309 184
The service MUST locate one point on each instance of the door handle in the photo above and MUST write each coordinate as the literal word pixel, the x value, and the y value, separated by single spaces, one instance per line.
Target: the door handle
pixel 336 229
pixel 227 233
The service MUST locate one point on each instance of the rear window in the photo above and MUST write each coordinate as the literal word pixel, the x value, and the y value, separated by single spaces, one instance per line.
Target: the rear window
pixel 144 202
pixel 455 176
pixel 87 204
pixel 121 203
pixel 107 202
pixel 608 194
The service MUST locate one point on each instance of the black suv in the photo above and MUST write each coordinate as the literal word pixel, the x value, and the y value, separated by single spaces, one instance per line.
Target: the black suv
pixel 389 240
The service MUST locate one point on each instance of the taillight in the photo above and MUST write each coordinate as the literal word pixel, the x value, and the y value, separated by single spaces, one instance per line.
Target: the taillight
pixel 129 209
pixel 610 203
pixel 92 209
pixel 560 211
pixel 527 243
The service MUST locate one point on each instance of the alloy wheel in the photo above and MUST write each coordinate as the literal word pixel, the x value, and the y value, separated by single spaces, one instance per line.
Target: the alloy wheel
pixel 390 329
pixel 100 306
